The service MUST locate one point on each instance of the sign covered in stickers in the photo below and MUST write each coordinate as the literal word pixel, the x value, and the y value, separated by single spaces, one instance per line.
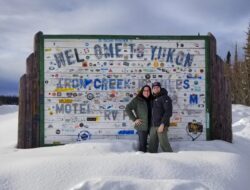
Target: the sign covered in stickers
pixel 89 81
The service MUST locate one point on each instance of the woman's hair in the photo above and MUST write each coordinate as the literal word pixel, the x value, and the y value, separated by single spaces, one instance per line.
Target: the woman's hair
pixel 141 91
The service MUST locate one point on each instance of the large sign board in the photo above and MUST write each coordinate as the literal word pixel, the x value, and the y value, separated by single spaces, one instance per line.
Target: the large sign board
pixel 88 80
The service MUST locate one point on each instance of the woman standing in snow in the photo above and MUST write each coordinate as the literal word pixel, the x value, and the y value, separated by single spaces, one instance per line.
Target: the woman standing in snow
pixel 139 111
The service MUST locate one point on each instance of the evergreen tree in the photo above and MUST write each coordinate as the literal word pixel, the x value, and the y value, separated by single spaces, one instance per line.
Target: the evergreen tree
pixel 236 54
pixel 240 76
pixel 244 84
pixel 228 61
pixel 247 63
pixel 236 79
pixel 233 73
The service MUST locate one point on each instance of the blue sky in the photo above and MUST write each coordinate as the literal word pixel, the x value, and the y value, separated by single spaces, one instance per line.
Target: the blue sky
pixel 20 19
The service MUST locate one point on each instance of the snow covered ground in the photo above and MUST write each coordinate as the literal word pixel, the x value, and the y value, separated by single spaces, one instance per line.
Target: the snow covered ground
pixel 106 165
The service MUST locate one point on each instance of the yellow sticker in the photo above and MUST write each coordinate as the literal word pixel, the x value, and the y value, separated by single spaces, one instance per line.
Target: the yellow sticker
pixel 64 89
pixel 156 63
pixel 65 101
pixel 173 124
pixel 48 49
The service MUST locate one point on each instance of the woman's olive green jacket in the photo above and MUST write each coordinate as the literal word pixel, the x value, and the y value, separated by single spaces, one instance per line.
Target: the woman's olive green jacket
pixel 137 109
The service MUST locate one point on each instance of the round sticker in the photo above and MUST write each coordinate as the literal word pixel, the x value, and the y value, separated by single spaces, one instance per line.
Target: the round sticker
pixel 90 96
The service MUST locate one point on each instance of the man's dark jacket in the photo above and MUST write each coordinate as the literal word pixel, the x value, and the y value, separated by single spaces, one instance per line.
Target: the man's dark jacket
pixel 161 109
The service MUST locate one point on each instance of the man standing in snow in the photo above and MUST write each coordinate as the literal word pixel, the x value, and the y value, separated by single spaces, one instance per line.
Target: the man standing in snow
pixel 161 112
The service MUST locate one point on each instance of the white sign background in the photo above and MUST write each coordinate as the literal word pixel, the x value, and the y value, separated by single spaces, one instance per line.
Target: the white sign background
pixel 88 83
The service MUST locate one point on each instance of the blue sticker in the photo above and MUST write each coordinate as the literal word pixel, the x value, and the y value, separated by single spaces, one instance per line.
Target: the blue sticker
pixel 193 99
pixel 126 132
pixel 186 84
pixel 83 135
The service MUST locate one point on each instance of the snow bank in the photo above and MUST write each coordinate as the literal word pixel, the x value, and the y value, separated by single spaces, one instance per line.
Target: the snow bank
pixel 105 164
pixel 5 109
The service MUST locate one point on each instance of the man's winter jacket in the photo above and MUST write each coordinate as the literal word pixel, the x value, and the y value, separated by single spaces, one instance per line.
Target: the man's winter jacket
pixel 161 109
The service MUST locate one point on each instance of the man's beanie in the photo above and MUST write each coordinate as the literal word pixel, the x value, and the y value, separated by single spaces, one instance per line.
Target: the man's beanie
pixel 156 84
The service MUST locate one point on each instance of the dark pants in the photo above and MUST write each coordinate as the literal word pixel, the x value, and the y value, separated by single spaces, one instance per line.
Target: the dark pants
pixel 143 136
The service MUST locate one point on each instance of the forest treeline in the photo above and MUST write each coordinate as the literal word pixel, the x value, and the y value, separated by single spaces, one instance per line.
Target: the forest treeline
pixel 9 100
pixel 238 72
